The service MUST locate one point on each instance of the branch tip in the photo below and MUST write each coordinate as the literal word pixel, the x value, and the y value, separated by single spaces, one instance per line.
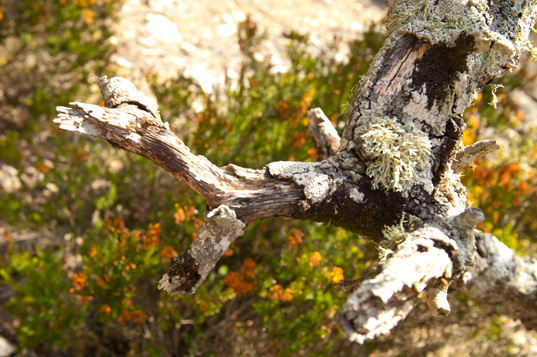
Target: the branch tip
pixel 436 298
pixel 470 153
pixel 323 132
pixel 118 90
pixel 469 219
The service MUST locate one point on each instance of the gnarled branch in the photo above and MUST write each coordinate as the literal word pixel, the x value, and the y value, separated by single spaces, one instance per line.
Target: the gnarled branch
pixel 392 178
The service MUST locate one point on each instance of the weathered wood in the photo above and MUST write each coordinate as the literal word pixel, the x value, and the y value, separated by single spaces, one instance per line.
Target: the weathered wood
pixel 323 132
pixel 393 178
pixel 502 281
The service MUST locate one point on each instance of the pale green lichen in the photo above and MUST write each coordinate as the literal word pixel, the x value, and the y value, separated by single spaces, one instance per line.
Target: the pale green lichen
pixel 399 156
pixel 445 21
pixel 394 235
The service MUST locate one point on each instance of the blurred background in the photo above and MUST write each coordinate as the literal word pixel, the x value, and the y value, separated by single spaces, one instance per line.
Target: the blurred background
pixel 86 230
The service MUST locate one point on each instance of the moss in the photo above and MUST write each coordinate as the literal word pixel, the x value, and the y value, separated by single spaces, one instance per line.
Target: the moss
pixel 399 155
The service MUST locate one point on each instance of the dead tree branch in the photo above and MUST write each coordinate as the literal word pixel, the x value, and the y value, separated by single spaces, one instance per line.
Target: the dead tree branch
pixel 502 280
pixel 325 135
pixel 392 178
pixel 470 153
pixel 220 227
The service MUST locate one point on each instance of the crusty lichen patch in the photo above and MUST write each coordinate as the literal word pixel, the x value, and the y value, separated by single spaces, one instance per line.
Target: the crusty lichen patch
pixel 452 18
pixel 356 195
pixel 398 156
pixel 317 185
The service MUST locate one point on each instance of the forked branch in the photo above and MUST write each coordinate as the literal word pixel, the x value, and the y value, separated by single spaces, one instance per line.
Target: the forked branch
pixel 392 178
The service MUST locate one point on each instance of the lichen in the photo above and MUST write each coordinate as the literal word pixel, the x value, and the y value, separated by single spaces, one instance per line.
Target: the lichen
pixel 494 102
pixel 399 156
pixel 356 195
pixel 393 235
pixel 443 22
pixel 317 185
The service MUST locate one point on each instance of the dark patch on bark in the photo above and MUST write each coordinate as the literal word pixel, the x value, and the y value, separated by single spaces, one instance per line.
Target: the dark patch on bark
pixel 448 149
pixel 422 204
pixel 185 267
pixel 440 67
pixel 379 209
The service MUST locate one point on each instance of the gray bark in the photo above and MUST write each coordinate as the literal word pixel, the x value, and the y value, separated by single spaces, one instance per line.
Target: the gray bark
pixel 393 178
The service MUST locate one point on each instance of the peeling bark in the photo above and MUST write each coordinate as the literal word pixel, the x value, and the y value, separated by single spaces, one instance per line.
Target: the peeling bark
pixel 393 178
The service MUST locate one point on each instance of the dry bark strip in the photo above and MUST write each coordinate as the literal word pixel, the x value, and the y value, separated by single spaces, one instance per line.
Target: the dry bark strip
pixel 393 178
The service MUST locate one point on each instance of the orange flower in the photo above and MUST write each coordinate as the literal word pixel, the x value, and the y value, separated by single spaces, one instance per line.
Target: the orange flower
pixel 168 252
pixel 119 223
pixel 101 283
pixel 312 152
pixel 336 275
pixel 41 167
pixel 79 281
pixel 106 309
pixel 179 214
pixel 295 237
pixel 283 108
pixel 93 251
pixel 247 268
pixel 278 293
pixel 237 284
pixel 184 213
pixel 136 316
pixel 299 139
pixel 287 295
pixel 154 230
pixel 315 258
pixel 88 16
pixel 275 292
pixel 83 300
pixel 197 223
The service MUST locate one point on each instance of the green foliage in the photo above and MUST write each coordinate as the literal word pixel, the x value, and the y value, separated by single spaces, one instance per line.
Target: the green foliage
pixel 265 112
pixel 48 317
pixel 503 186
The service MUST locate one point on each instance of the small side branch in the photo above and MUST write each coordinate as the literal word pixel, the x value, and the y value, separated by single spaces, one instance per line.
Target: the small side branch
pixel 436 298
pixel 469 154
pixel 132 122
pixel 220 227
pixel 325 135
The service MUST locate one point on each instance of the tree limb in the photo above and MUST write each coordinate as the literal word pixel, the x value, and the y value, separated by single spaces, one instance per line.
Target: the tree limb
pixel 325 135
pixel 423 266
pixel 502 280
pixel 220 227
pixel 470 153
pixel 392 178
pixel 253 194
